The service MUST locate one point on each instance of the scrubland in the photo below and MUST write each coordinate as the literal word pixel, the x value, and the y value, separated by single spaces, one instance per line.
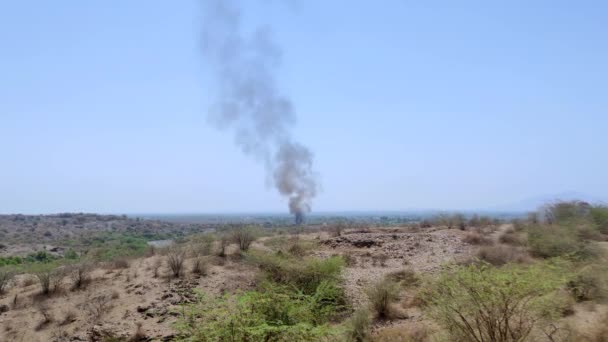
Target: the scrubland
pixel 447 278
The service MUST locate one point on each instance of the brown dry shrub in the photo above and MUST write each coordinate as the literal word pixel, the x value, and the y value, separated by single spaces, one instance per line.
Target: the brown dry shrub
pixel 382 295
pixel 243 237
pixel 296 249
pixel 358 327
pixel 155 267
pixel 98 306
pixel 501 254
pixel 511 237
pixel 120 263
pixel 475 238
pixel 80 274
pixel 175 261
pixel 200 266
pixel 406 277
pixel 379 259
pixel 28 280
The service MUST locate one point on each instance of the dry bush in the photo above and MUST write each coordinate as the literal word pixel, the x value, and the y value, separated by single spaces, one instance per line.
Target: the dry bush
pixel 475 238
pixel 243 238
pixel 175 261
pixel 406 278
pixel 98 306
pixel 49 277
pixel 202 245
pixel 500 255
pixel 28 280
pixel 224 243
pixel 155 266
pixel 336 229
pixel 120 263
pixel 6 275
pixel 359 326
pixel 296 249
pixel 511 237
pixel 379 259
pixel 80 274
pixel 414 333
pixel 381 296
pixel 199 267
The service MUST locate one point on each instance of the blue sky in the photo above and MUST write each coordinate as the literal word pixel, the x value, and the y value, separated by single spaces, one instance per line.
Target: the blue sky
pixel 429 104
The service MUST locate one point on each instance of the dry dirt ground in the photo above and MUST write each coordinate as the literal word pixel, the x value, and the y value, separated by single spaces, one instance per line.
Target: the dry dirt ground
pixel 115 303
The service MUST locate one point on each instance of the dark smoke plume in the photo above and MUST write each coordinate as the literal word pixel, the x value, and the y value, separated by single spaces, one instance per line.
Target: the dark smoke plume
pixel 250 104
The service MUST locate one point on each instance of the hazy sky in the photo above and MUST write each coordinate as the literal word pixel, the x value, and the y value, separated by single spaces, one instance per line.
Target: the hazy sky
pixel 406 104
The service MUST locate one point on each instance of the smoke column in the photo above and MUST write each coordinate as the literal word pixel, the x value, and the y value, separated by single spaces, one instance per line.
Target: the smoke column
pixel 250 105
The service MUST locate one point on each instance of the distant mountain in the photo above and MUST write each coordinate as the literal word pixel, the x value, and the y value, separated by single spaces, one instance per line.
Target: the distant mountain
pixel 533 203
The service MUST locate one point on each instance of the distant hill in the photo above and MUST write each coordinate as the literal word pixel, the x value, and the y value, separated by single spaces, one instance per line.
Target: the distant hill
pixel 533 203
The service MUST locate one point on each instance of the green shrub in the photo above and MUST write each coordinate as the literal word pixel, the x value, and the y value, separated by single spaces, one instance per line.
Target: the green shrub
pixel 484 303
pixel 304 274
pixel 590 283
pixel 561 212
pixel 599 216
pixel 275 313
pixel 549 241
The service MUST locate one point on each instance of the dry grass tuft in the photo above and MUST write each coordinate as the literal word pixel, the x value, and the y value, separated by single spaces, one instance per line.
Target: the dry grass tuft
pixel 382 295
pixel 475 238
pixel 501 254
pixel 200 267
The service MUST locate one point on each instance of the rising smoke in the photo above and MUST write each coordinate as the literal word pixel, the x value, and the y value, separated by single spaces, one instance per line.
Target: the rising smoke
pixel 250 105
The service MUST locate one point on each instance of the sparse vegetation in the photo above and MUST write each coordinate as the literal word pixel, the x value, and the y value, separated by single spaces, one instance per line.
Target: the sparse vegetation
pixel 99 305
pixel 291 286
pixel 502 254
pixel 175 261
pixel 359 326
pixel 6 275
pixel 475 238
pixel 199 266
pixel 49 276
pixel 80 274
pixel 483 303
pixel 305 275
pixel 243 237
pixel 382 295
pixel 294 303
